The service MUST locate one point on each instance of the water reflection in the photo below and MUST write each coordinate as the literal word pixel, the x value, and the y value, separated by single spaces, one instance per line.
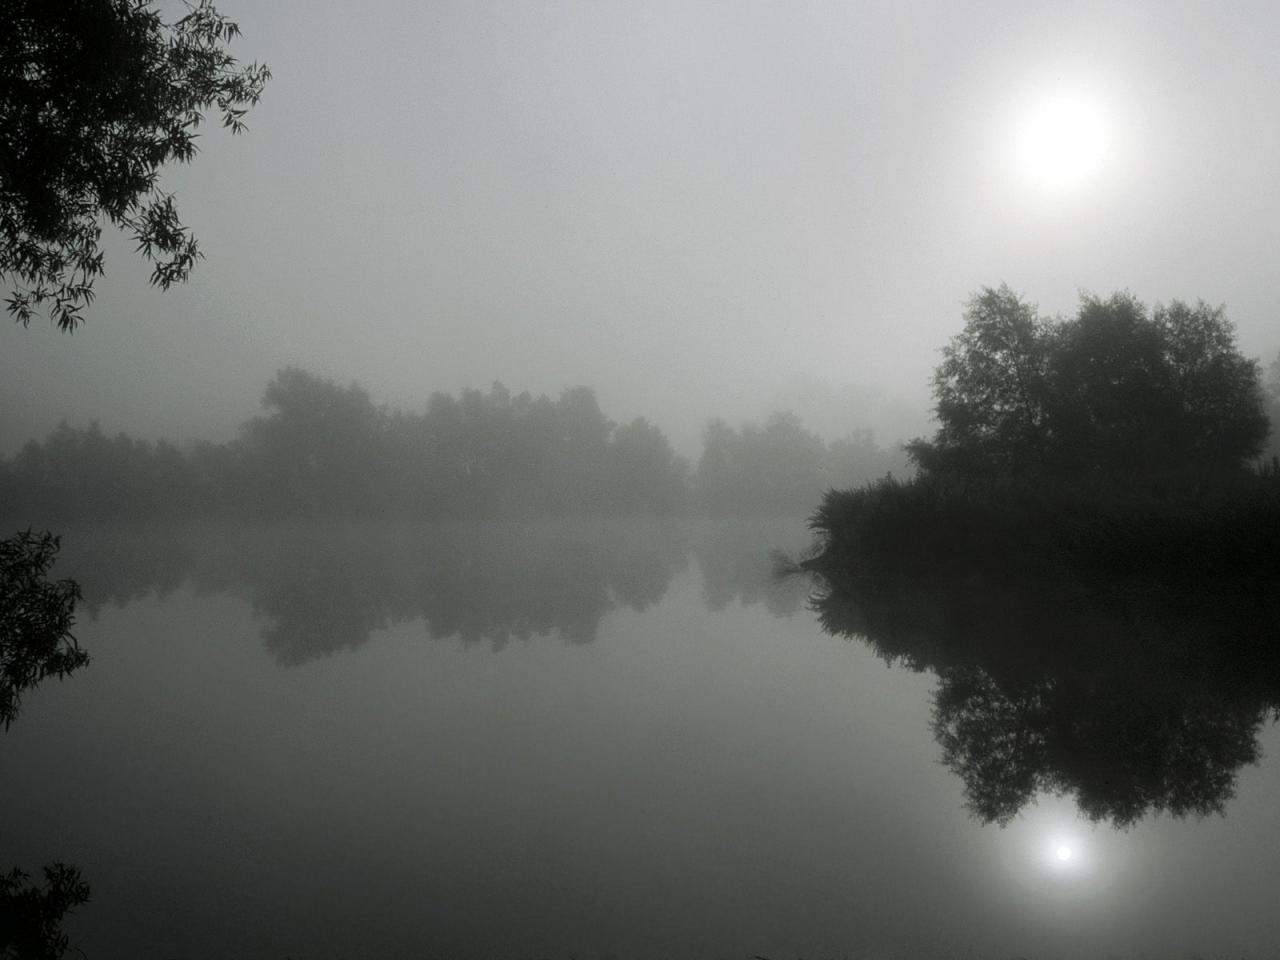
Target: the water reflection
pixel 325 588
pixel 775 787
pixel 1131 695
pixel 735 559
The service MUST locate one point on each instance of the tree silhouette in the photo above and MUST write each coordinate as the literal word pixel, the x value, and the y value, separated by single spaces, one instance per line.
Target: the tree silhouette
pixel 95 97
pixel 36 615
pixel 1131 693
pixel 642 471
pixel 1117 390
pixel 31 916
pixel 1123 748
pixel 317 449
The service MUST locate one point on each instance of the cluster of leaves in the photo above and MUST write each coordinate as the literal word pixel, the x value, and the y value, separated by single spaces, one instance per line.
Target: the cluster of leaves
pixel 95 97
pixel 31 916
pixel 1116 390
pixel 36 616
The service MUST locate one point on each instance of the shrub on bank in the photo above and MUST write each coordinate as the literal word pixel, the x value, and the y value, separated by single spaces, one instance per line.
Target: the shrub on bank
pixel 947 525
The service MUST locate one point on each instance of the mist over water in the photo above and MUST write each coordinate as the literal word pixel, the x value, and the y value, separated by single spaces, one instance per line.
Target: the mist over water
pixel 621 738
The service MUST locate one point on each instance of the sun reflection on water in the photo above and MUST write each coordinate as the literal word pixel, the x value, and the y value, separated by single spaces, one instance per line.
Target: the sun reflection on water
pixel 1066 852
pixel 1051 847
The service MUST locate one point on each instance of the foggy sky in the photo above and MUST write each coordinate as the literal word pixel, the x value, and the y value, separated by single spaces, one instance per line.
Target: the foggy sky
pixel 701 210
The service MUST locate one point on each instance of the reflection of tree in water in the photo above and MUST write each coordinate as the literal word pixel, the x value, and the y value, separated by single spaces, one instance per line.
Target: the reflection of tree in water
pixel 31 915
pixel 119 564
pixel 1135 696
pixel 499 587
pixel 323 588
pixel 735 558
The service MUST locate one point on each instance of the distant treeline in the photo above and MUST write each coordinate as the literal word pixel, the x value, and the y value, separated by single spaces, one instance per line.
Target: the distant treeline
pixel 321 449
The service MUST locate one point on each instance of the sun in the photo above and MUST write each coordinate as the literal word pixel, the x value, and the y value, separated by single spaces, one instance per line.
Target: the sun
pixel 1062 142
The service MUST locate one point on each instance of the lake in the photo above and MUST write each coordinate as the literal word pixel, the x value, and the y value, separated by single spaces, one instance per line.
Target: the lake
pixel 605 740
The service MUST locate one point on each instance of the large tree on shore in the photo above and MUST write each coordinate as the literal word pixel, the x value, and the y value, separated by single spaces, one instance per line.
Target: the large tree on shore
pixel 1115 390
pixel 95 97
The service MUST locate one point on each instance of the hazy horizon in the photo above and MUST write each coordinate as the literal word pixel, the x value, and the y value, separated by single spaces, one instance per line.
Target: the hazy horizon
pixel 700 212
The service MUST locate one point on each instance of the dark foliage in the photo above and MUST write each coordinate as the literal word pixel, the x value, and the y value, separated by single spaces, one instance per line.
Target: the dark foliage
pixel 31 916
pixel 940 525
pixel 36 615
pixel 1087 560
pixel 1116 391
pixel 95 97
pixel 1113 644
pixel 1271 388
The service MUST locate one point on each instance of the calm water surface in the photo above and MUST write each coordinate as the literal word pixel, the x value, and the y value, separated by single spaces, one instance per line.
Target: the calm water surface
pixel 549 741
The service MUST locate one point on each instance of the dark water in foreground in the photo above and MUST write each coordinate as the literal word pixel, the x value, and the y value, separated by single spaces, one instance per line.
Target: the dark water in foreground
pixel 554 741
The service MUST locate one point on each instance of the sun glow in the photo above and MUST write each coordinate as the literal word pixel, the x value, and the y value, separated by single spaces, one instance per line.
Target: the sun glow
pixel 1063 853
pixel 1062 142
